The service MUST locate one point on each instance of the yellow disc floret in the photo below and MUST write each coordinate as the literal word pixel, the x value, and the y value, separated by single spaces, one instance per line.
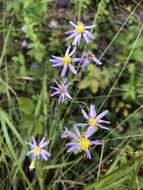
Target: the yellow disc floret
pixel 90 55
pixel 92 121
pixel 66 60
pixel 84 143
pixel 80 28
pixel 62 89
pixel 37 150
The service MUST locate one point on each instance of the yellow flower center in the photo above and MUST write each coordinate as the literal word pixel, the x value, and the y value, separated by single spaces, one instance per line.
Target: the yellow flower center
pixel 66 60
pixel 37 150
pixel 84 143
pixel 92 121
pixel 80 28
pixel 90 55
pixel 62 90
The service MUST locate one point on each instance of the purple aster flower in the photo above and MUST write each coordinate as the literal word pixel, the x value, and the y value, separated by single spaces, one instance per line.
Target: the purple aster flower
pixel 24 43
pixel 65 61
pixel 88 58
pixel 37 150
pixel 81 142
pixel 61 90
pixel 94 120
pixel 80 31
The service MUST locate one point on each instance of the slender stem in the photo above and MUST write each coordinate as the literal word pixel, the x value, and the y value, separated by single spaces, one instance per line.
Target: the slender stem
pixel 100 163
pixel 79 10
pixel 123 68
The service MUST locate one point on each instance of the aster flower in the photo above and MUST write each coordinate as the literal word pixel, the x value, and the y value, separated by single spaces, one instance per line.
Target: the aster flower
pixel 65 61
pixel 80 31
pixel 61 90
pixel 80 141
pixel 37 150
pixel 24 43
pixel 94 120
pixel 88 58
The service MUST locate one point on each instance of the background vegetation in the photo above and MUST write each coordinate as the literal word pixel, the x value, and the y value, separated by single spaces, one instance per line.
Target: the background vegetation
pixel 30 32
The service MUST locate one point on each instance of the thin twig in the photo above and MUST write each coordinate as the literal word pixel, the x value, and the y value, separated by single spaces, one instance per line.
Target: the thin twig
pixel 100 163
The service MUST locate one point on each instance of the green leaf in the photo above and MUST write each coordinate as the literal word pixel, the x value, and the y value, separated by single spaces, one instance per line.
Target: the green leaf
pixel 26 105
pixel 94 85
pixel 138 55
pixel 84 83
pixel 109 182
pixel 139 44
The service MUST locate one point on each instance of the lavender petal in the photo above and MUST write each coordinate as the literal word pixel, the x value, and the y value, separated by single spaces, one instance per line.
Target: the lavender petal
pixel 30 144
pixel 44 144
pixel 72 52
pixel 102 114
pixel 72 69
pixel 85 63
pixel 55 93
pixel 95 60
pixel 43 156
pixel 73 24
pixel 85 37
pixel 68 95
pixel 72 148
pixel 77 59
pixel 54 88
pixel 88 154
pixel 71 144
pixel 69 32
pixel 90 131
pixel 43 139
pixel 64 70
pixel 103 127
pixel 97 142
pixel 84 114
pixel 67 51
pixel 72 135
pixel 71 36
pixel 29 152
pixel 89 35
pixel 103 121
pixel 57 57
pixel 76 39
pixel 46 152
pixel 90 27
pixel 92 111
pixel 77 132
pixel 34 141
pixel 57 64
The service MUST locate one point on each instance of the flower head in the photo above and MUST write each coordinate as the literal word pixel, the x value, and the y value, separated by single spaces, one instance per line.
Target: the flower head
pixel 88 58
pixel 94 120
pixel 80 141
pixel 24 43
pixel 80 31
pixel 65 61
pixel 37 150
pixel 61 90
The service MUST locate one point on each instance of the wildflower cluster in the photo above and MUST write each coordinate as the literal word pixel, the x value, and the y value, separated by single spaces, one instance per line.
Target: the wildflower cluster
pixel 80 32
pixel 81 135
pixel 80 140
